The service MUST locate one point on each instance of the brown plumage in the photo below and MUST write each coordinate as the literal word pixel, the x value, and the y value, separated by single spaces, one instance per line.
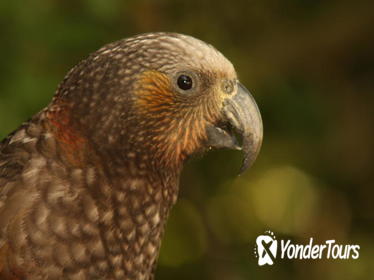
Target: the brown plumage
pixel 87 184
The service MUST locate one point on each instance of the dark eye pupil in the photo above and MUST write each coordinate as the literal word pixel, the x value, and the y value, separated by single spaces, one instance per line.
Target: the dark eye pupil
pixel 184 82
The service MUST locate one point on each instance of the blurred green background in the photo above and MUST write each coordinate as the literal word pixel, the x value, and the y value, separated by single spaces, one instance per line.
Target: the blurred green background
pixel 309 64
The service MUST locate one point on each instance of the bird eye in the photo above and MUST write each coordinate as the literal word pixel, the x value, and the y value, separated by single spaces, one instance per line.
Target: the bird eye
pixel 184 82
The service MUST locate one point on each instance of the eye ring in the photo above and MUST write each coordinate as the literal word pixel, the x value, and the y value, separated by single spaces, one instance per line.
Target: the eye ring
pixel 185 82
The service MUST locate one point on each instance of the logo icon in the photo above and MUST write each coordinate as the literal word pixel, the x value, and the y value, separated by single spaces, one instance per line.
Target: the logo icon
pixel 266 248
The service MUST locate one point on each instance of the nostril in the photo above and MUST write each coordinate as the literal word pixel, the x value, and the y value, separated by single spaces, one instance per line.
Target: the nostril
pixel 228 86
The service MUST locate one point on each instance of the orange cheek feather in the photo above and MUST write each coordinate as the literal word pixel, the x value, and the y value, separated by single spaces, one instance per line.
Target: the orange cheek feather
pixel 154 91
pixel 155 98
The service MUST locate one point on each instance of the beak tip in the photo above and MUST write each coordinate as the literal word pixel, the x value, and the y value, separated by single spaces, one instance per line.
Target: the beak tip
pixel 251 149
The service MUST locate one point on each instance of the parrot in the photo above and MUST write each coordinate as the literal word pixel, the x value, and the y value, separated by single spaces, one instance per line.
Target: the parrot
pixel 88 182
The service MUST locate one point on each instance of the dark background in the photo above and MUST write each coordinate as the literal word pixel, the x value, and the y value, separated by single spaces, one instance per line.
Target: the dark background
pixel 309 64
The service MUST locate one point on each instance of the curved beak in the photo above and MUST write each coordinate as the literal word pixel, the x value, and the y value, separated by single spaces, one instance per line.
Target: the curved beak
pixel 240 115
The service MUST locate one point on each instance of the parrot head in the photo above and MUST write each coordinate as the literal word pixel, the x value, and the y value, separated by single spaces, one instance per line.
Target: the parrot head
pixel 160 98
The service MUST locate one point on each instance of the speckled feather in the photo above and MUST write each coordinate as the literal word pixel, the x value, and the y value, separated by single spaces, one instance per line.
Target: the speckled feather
pixel 87 184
